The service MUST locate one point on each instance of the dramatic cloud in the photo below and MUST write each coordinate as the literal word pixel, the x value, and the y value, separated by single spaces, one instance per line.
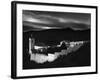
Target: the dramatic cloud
pixel 50 20
pixel 34 18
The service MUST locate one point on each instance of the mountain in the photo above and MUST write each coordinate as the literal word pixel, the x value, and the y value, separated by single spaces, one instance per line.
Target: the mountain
pixel 53 37
pixel 57 35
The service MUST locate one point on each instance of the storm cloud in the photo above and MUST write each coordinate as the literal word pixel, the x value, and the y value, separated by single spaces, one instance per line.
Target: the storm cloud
pixel 41 20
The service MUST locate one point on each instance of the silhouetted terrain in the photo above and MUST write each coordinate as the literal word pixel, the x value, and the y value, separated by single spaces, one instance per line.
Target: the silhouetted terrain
pixel 53 37
pixel 57 35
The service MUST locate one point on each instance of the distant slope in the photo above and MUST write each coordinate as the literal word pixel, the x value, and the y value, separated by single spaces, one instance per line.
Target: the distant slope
pixel 54 36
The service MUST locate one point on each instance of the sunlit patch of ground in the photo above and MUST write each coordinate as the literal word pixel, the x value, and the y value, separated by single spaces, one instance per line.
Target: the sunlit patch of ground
pixel 41 58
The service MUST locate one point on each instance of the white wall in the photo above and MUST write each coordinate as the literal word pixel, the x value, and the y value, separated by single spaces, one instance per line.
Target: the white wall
pixel 5 39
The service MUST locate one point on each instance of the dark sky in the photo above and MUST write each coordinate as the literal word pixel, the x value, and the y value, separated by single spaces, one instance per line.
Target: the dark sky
pixel 82 17
pixel 47 20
